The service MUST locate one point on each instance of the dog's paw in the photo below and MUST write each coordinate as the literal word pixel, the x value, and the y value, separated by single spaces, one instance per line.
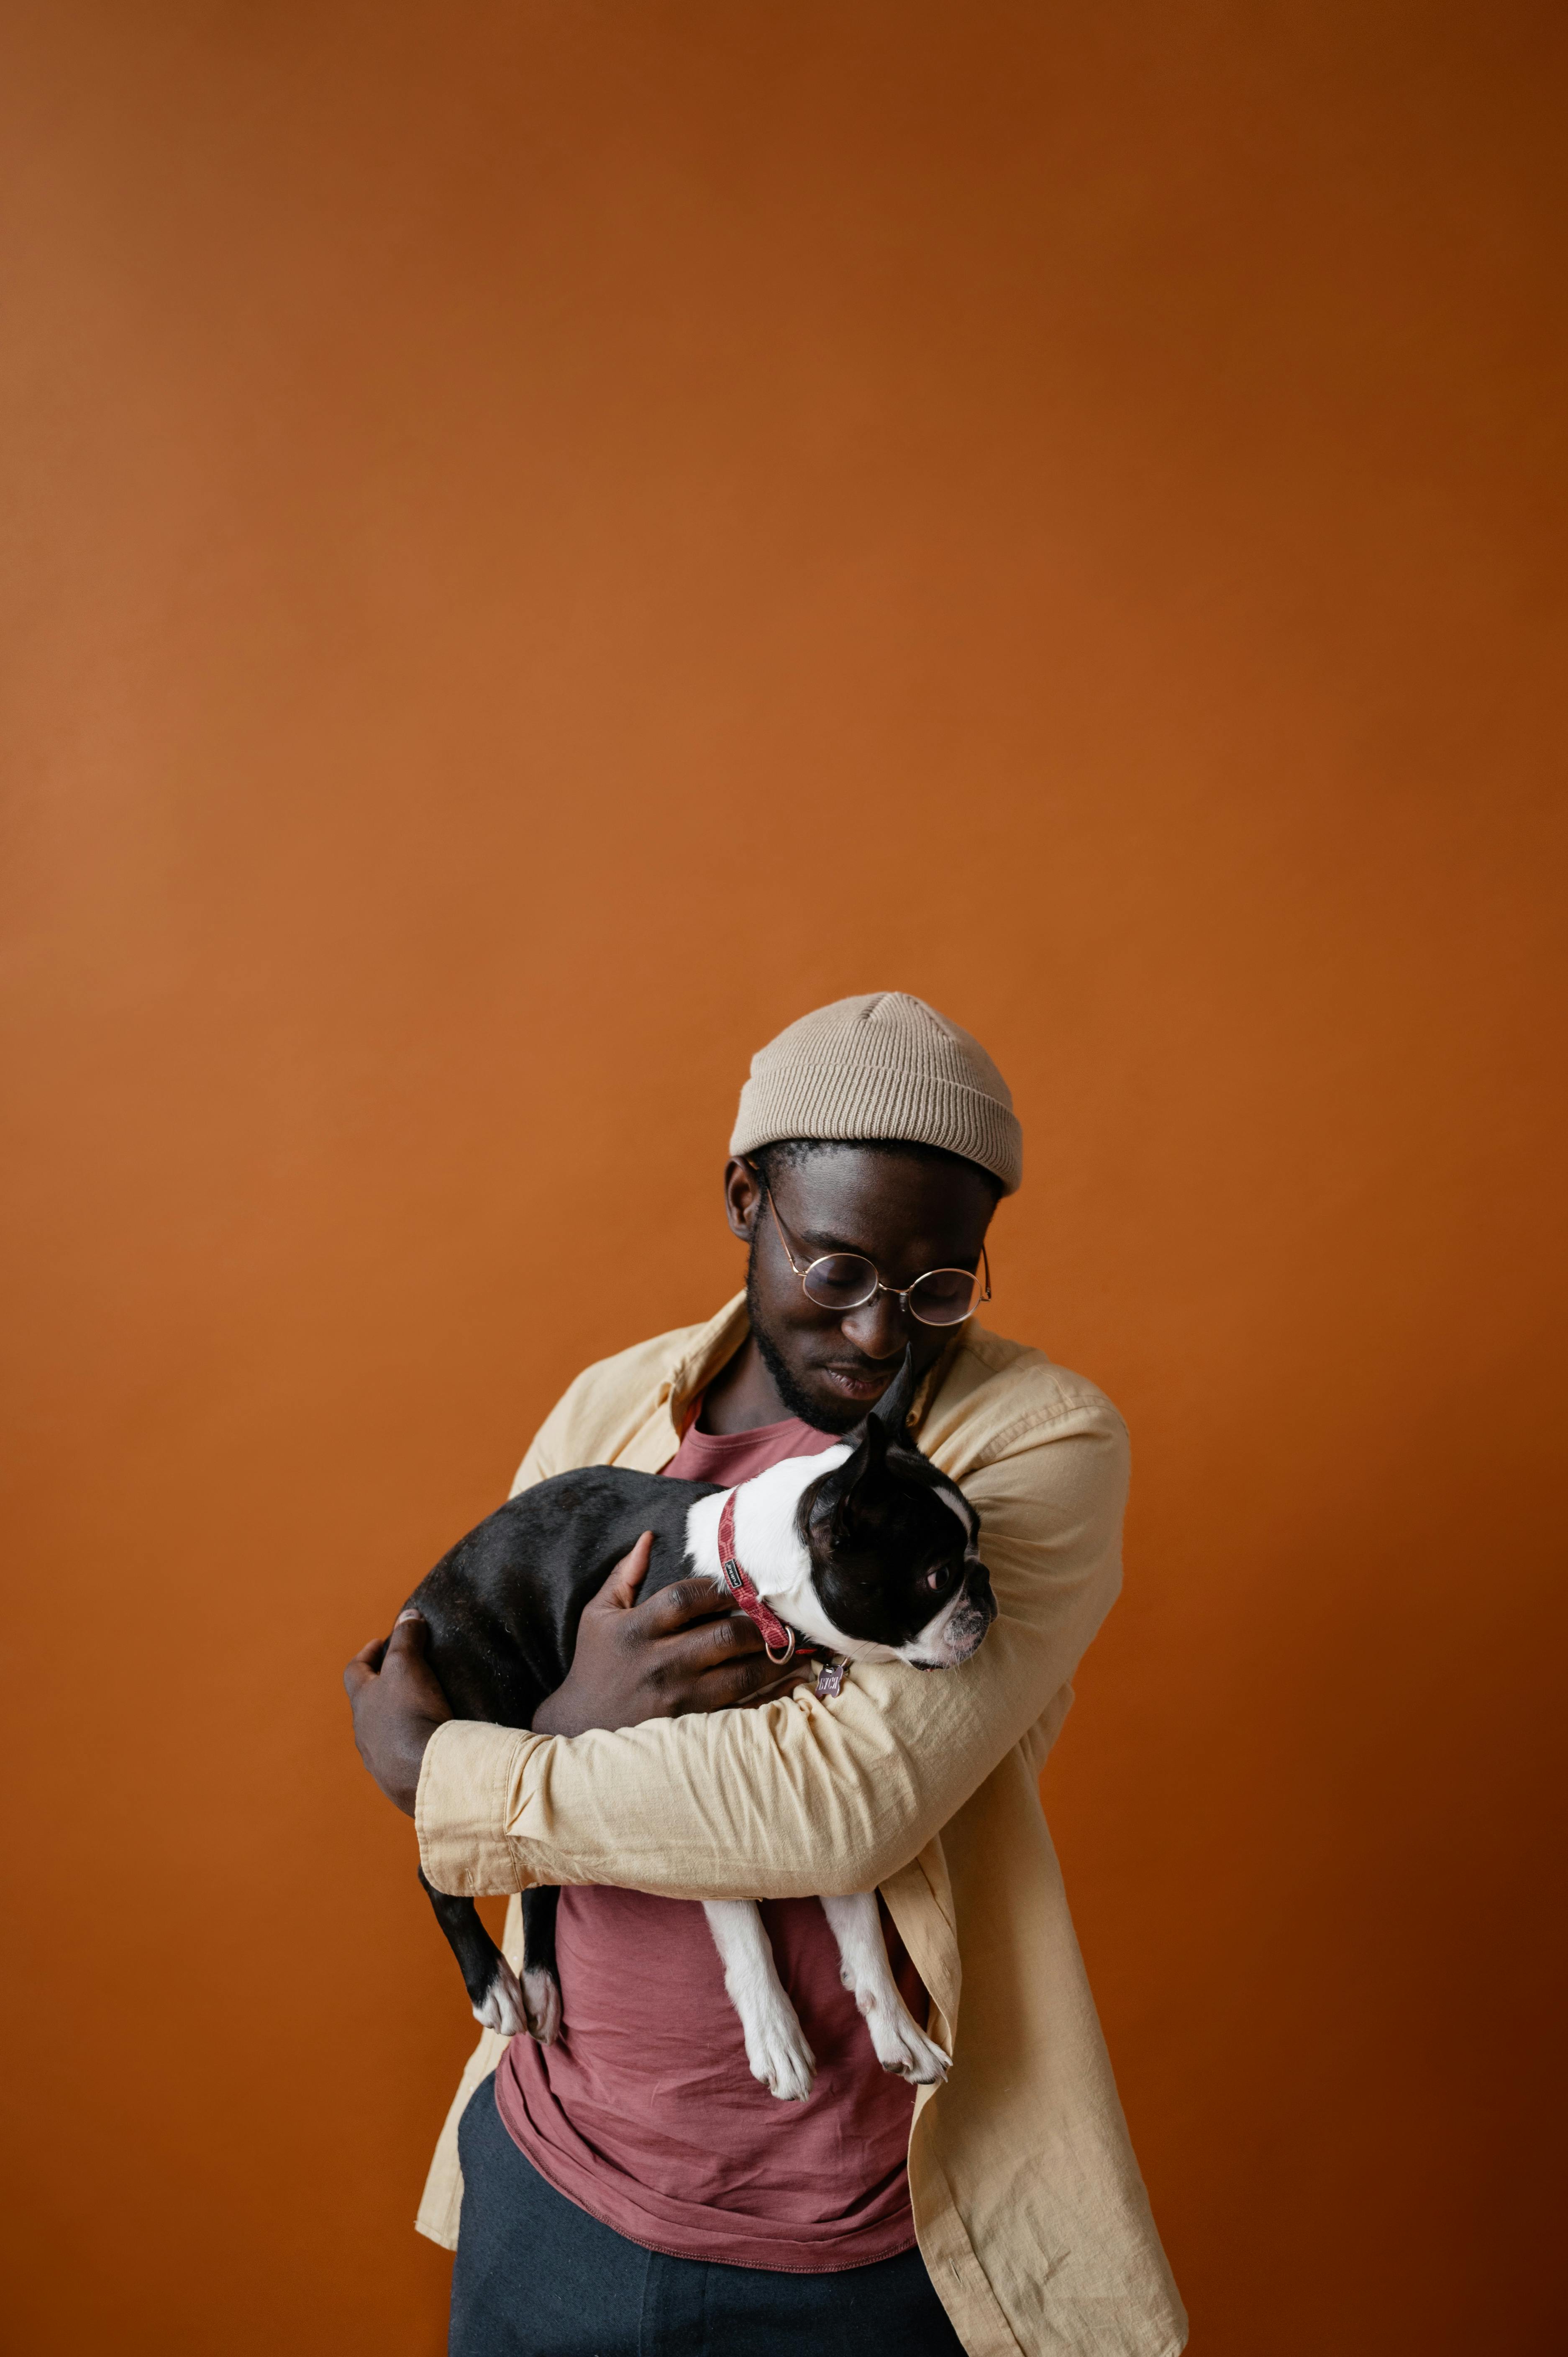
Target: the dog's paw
pixel 776 2051
pixel 902 2048
pixel 541 1997
pixel 501 2008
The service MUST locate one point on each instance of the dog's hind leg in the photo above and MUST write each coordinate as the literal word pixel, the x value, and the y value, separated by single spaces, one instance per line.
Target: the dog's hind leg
pixel 776 2045
pixel 540 1981
pixel 866 1974
pixel 491 1984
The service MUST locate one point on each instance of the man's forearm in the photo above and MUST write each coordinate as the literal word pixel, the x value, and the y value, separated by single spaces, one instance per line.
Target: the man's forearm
pixel 757 1803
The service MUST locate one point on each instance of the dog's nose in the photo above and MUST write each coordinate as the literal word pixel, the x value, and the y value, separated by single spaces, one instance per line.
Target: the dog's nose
pixel 966 1630
pixel 978 1590
pixel 975 1611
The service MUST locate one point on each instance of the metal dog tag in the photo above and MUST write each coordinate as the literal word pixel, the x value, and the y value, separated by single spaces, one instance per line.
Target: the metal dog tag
pixel 829 1681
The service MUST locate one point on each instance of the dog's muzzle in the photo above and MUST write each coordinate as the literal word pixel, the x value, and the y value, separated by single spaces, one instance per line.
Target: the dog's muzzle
pixel 965 1626
pixel 964 1632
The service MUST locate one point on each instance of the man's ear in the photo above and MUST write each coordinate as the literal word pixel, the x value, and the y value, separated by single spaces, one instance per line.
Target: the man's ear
pixel 743 1196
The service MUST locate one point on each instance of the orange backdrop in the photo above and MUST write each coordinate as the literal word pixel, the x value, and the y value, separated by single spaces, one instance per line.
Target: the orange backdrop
pixel 546 541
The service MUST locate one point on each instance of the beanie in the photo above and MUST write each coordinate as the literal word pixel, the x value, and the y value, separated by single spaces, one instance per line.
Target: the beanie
pixel 885 1065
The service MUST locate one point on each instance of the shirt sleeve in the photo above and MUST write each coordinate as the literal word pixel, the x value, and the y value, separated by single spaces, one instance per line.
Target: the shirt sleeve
pixel 800 1798
pixel 550 1451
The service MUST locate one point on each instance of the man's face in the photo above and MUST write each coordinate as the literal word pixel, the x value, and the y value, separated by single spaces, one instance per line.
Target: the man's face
pixel 906 1215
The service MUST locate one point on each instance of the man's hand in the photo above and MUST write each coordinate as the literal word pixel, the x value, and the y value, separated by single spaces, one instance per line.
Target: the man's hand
pixel 680 1650
pixel 398 1705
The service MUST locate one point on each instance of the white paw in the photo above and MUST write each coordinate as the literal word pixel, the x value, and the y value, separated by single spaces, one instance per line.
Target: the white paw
pixel 542 1999
pixel 776 2051
pixel 901 2047
pixel 502 2009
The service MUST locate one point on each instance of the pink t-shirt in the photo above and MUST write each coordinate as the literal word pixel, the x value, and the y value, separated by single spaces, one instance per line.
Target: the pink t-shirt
pixel 645 2112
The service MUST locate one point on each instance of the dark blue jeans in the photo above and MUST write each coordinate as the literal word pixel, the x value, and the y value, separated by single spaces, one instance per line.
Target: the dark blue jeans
pixel 536 2276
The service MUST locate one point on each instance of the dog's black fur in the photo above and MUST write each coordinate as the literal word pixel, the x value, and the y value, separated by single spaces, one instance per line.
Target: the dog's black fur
pixel 503 1607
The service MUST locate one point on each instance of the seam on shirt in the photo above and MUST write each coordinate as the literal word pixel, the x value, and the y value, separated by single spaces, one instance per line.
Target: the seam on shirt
pixel 1037 1420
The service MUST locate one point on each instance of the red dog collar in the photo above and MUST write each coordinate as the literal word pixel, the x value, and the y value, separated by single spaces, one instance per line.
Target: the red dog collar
pixel 775 1632
pixel 779 1641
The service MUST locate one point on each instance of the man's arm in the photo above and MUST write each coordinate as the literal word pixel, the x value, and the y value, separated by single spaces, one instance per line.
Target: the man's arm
pixel 800 1798
pixel 680 1649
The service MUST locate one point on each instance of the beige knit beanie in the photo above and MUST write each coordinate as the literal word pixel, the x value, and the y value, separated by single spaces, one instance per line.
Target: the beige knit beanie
pixel 885 1065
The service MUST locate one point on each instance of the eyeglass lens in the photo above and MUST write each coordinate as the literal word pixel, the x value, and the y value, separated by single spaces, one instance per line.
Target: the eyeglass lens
pixel 943 1296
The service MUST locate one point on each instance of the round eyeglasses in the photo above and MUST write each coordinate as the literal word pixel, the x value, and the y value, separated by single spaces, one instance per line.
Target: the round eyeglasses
pixel 844 1281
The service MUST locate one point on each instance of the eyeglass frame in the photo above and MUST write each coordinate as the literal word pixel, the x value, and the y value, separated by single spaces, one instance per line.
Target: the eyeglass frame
pixel 936 1325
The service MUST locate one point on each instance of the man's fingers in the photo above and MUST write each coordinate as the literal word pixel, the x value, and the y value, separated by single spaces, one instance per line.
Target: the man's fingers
pixel 411 1635
pixel 407 1666
pixel 755 1681
pixel 687 1600
pixel 364 1666
pixel 693 1650
pixel 795 1673
pixel 619 1590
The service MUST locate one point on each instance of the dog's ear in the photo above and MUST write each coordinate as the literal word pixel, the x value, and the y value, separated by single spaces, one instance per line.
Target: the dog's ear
pixel 892 1409
pixel 861 1487
pixel 850 1502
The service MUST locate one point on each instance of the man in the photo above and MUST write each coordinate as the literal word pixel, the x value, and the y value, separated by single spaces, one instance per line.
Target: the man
pixel 631 2190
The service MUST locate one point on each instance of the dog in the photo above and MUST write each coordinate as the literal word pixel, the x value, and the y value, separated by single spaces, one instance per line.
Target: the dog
pixel 865 1553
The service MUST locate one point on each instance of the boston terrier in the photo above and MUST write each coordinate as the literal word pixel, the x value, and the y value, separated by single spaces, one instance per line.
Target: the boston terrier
pixel 864 1552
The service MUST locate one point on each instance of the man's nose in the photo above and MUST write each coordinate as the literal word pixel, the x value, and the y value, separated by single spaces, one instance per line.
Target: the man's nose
pixel 878 1329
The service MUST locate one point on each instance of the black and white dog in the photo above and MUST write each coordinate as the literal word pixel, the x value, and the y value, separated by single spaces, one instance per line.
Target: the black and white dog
pixel 865 1553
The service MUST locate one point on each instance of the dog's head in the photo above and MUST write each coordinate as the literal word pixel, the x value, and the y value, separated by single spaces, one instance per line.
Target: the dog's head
pixel 894 1545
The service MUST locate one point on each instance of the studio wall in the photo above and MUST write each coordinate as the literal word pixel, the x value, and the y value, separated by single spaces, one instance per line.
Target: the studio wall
pixel 543 542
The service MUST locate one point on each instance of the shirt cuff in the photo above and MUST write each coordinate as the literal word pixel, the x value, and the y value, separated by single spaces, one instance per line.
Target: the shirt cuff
pixel 467 1782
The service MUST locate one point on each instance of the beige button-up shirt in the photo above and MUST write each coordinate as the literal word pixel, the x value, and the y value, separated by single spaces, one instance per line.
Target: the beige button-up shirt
pixel 1031 2214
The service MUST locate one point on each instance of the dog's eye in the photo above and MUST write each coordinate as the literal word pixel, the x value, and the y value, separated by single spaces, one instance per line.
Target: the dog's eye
pixel 935 1579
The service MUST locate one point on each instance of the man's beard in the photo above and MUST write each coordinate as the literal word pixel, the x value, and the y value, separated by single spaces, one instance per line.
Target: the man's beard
pixel 818 1416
